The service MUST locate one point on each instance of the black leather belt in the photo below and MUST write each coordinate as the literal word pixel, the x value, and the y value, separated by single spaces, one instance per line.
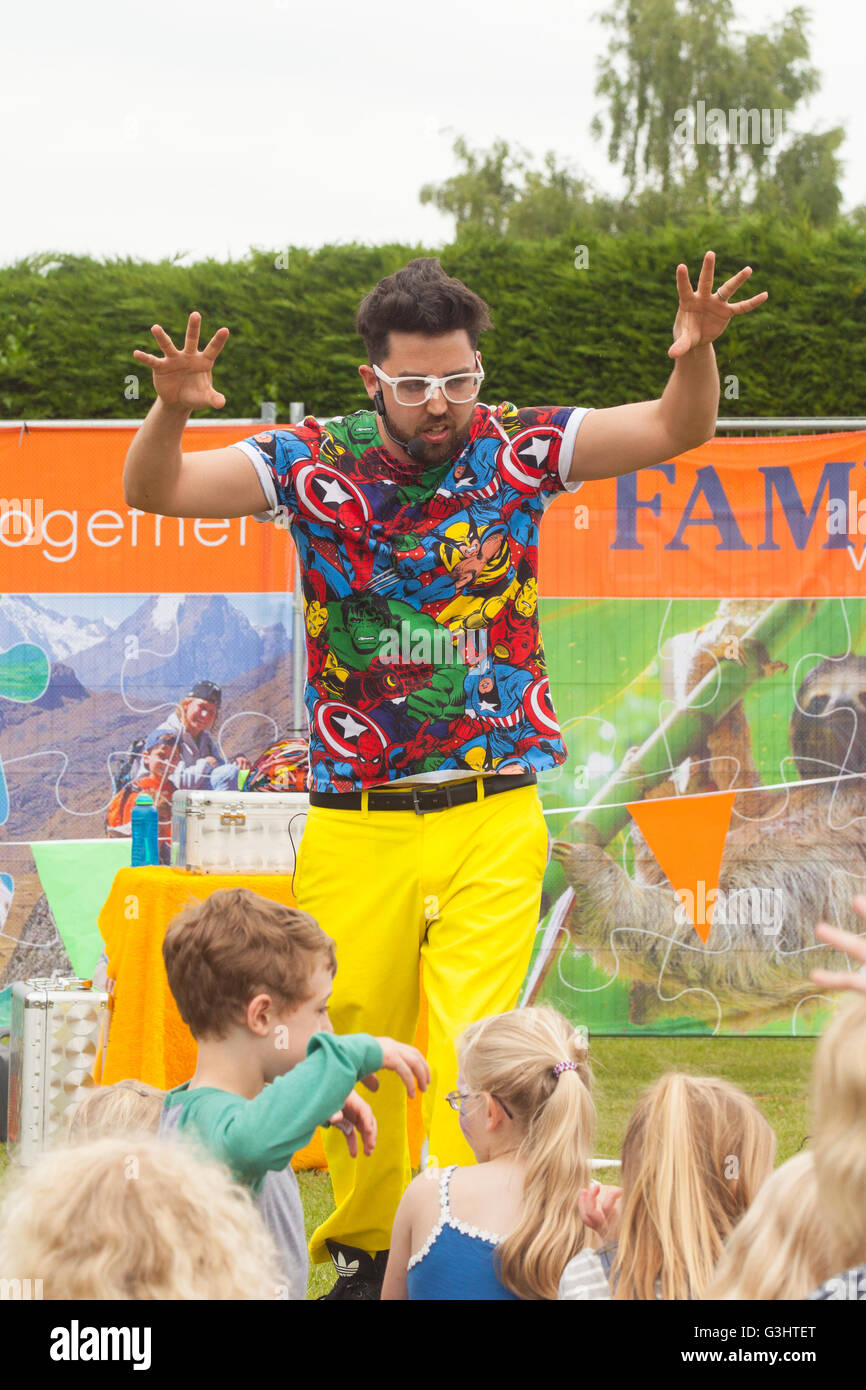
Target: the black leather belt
pixel 422 799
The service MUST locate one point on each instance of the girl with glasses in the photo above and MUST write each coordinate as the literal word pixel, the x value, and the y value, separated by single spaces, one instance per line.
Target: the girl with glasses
pixel 506 1228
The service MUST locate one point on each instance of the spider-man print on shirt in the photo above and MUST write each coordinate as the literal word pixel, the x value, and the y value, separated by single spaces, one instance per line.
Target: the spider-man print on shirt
pixel 421 593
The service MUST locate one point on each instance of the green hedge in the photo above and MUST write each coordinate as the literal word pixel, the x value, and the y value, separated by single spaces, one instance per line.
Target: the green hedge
pixel 68 324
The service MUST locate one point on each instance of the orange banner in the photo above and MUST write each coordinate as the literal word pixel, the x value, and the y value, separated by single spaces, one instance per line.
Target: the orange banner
pixel 737 518
pixel 768 518
pixel 65 527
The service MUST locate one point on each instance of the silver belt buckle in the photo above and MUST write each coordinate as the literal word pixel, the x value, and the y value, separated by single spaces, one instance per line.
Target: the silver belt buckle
pixel 444 790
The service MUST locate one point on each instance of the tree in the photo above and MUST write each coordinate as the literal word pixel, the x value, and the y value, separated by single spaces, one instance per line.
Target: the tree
pixel 556 199
pixel 497 190
pixel 480 195
pixel 668 64
pixel 805 180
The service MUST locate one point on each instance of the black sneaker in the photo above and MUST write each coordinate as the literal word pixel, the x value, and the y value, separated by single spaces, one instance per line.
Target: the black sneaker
pixel 359 1274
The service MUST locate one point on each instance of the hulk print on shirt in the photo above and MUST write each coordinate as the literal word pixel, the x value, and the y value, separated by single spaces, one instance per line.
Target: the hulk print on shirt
pixel 421 593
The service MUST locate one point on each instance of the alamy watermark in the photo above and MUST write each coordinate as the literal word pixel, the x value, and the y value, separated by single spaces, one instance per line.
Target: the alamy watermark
pixel 738 126
pixel 743 907
pixel 20 1289
pixel 77 1343
pixel 22 517
pixel 846 518
pixel 412 646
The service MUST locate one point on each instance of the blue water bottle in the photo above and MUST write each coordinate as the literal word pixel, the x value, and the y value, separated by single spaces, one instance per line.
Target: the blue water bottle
pixel 145 831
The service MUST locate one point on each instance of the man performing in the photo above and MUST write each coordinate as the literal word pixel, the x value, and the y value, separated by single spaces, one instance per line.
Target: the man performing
pixel 416 525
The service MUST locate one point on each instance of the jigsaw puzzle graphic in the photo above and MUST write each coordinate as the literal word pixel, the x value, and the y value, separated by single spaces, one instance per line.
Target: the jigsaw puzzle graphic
pixel 661 701
pixel 112 679
pixel 84 680
pixel 25 671
pixel 765 701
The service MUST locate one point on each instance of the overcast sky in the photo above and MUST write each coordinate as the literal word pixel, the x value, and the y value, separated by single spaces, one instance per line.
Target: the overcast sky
pixel 209 126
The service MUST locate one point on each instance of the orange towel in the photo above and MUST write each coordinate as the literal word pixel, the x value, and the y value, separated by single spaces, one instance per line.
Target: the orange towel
pixel 148 1038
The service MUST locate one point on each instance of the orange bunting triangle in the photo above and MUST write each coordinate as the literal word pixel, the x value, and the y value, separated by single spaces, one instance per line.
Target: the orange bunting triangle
pixel 687 836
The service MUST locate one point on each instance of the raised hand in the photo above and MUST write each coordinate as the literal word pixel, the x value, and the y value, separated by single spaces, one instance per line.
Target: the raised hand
pixel 598 1206
pixel 854 947
pixel 356 1115
pixel 184 377
pixel 703 315
pixel 406 1061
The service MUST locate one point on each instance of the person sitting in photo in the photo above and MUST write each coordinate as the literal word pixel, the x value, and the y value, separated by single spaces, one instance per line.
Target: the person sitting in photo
pixel 127 1216
pixel 783 1246
pixel 505 1228
pixel 202 764
pixel 695 1153
pixel 252 979
pixel 126 1105
pixel 160 758
pixel 836 1140
pixel 839 1144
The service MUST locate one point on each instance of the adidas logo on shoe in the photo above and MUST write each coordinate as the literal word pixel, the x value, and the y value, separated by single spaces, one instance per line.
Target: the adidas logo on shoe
pixel 359 1274
pixel 346 1269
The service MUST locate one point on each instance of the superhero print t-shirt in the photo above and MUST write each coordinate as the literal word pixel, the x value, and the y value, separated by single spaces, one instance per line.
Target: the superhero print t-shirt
pixel 424 657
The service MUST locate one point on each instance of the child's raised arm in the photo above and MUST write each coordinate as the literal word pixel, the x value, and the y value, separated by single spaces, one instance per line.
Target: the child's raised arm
pixel 406 1061
pixel 262 1134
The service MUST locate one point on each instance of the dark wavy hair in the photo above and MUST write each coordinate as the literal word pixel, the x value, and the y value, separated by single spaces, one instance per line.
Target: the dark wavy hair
pixel 421 298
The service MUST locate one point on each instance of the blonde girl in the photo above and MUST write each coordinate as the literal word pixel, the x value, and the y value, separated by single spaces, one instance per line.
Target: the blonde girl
pixel 131 1216
pixel 696 1151
pixel 506 1227
pixel 782 1248
pixel 839 1142
pixel 125 1105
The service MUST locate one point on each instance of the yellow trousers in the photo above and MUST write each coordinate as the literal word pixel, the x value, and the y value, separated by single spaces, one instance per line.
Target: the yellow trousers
pixel 458 889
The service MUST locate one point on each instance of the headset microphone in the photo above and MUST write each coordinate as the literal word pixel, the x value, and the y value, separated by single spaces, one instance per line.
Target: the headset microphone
pixel 414 447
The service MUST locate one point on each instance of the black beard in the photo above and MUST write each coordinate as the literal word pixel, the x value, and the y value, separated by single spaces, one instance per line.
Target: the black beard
pixel 435 454
pixel 448 451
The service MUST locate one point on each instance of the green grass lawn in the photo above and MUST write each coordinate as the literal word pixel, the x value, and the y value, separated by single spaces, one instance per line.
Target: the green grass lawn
pixel 775 1071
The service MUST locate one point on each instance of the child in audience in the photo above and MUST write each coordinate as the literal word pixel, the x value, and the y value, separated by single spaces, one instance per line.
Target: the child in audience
pixel 252 979
pixel 130 1217
pixel 126 1105
pixel 782 1247
pixel 695 1153
pixel 505 1228
pixel 839 1143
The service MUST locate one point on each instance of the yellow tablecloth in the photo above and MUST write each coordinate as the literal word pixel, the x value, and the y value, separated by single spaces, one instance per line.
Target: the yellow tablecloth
pixel 148 1038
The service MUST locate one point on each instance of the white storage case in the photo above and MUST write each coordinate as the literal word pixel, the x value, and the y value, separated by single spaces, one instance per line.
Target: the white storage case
pixel 237 832
pixel 57 1029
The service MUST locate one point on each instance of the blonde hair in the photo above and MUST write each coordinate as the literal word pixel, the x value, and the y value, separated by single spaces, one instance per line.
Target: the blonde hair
pixel 126 1105
pixel 512 1056
pixel 135 1217
pixel 181 708
pixel 839 1130
pixel 782 1248
pixel 695 1153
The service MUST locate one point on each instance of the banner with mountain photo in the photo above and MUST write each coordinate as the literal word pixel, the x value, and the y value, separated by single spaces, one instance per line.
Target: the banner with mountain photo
pixel 108 618
pixel 705 642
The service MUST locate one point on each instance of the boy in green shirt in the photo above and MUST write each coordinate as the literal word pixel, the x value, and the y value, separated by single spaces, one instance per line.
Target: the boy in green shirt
pixel 252 979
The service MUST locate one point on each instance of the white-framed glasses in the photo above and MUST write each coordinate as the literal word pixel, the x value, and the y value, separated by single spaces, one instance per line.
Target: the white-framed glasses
pixel 417 390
